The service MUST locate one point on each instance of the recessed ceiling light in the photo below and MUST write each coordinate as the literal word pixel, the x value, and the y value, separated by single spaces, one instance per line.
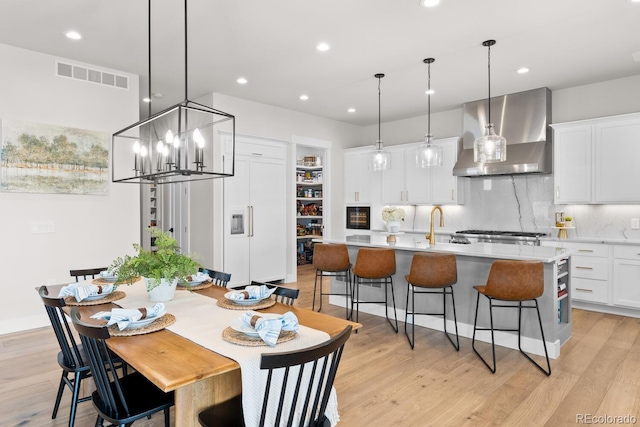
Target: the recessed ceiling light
pixel 73 35
pixel 323 47
pixel 351 110
pixel 304 97
pixel 523 70
pixel 242 81
pixel 429 92
pixel 429 3
pixel 146 99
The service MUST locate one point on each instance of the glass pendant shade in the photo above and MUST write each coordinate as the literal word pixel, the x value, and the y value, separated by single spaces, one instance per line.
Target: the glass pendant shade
pixel 379 159
pixel 428 154
pixel 490 148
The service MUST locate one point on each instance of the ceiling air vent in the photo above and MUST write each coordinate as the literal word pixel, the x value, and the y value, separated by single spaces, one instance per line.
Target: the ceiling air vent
pixel 92 75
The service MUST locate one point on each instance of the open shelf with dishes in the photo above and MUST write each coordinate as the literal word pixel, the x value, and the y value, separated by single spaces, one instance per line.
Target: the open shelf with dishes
pixel 309 205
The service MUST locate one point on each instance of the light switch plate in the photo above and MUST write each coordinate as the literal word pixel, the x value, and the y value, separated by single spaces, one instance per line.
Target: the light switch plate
pixel 635 223
pixel 487 184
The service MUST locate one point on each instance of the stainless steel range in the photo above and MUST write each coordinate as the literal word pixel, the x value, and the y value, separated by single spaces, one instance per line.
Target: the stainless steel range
pixel 490 236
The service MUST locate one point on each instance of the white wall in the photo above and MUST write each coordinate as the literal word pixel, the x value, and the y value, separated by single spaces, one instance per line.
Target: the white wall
pixel 90 231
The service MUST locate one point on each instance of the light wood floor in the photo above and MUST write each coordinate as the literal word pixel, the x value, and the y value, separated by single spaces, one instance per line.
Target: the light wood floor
pixel 382 382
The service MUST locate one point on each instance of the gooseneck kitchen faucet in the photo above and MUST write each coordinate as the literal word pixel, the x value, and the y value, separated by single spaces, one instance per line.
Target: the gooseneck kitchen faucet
pixel 432 235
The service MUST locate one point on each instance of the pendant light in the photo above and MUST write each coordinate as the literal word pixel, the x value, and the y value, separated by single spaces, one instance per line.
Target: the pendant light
pixel 380 159
pixel 186 142
pixel 428 154
pixel 489 148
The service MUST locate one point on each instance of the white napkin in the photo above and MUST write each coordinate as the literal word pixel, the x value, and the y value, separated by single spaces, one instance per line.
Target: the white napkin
pixel 124 316
pixel 251 292
pixel 269 329
pixel 81 291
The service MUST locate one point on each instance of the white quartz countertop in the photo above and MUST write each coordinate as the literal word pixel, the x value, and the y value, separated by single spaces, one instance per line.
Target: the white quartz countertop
pixel 602 240
pixel 484 250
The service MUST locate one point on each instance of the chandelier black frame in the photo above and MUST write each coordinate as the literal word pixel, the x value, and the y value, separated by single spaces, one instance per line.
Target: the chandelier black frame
pixel 186 142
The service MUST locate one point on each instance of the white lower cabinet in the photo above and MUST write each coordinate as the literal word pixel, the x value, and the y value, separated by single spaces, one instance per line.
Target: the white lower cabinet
pixel 590 279
pixel 626 276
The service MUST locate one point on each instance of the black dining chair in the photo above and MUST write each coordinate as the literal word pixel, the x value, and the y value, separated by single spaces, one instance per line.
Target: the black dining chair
pixel 320 363
pixel 71 358
pixel 86 273
pixel 280 294
pixel 120 401
pixel 217 277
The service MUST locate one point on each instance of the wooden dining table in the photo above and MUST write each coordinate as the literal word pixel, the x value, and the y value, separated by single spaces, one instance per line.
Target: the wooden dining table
pixel 199 377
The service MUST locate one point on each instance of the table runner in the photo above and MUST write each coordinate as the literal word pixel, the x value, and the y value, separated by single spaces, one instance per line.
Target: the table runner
pixel 199 319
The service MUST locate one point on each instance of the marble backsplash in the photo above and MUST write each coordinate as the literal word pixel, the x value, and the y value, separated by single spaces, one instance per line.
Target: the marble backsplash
pixel 522 203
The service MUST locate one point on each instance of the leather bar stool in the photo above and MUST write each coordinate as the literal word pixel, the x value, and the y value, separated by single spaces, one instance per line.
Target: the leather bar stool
pixel 376 264
pixel 432 273
pixel 514 281
pixel 332 260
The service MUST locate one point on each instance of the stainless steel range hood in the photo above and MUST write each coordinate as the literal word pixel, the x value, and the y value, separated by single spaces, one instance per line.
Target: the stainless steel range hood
pixel 523 119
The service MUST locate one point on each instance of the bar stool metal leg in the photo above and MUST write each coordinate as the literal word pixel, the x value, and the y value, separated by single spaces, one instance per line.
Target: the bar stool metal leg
pixel 544 343
pixel 386 305
pixel 348 294
pixel 519 331
pixel 411 289
pixel 475 328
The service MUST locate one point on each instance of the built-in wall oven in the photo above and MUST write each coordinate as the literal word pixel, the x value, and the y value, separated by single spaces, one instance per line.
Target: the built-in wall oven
pixel 359 217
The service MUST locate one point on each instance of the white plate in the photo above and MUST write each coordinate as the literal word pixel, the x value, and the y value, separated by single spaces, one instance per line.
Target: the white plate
pixel 109 278
pixel 199 279
pixel 144 322
pixel 244 301
pixel 97 296
pixel 238 325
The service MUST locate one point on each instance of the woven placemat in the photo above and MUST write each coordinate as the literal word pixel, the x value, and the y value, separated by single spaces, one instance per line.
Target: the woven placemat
pixel 101 281
pixel 240 338
pixel 229 304
pixel 157 325
pixel 113 296
pixel 203 285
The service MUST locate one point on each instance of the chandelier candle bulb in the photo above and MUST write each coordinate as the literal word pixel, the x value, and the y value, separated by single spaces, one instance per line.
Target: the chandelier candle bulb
pixel 159 155
pixel 143 155
pixel 176 150
pixel 136 156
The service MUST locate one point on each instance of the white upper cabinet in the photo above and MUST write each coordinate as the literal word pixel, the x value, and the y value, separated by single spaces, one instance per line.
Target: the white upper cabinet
pixel 617 161
pixel 572 164
pixel 357 177
pixel 446 188
pixel 405 183
pixel 597 161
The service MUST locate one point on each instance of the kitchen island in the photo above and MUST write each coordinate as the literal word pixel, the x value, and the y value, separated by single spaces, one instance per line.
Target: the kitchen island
pixel 474 262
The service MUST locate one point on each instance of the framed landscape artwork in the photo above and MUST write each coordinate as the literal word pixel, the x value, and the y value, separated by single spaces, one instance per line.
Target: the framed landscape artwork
pixel 42 158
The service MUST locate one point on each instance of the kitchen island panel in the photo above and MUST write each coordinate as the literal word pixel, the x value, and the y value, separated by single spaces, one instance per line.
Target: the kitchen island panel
pixel 473 269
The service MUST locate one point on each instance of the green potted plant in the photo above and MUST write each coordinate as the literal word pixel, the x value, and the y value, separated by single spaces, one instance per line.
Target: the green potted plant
pixel 161 268
pixel 568 221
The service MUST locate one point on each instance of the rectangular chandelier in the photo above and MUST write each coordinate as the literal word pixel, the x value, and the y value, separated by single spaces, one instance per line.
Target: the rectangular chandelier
pixel 181 143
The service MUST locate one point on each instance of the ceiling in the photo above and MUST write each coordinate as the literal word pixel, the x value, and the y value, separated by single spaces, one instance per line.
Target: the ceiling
pixel 272 44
